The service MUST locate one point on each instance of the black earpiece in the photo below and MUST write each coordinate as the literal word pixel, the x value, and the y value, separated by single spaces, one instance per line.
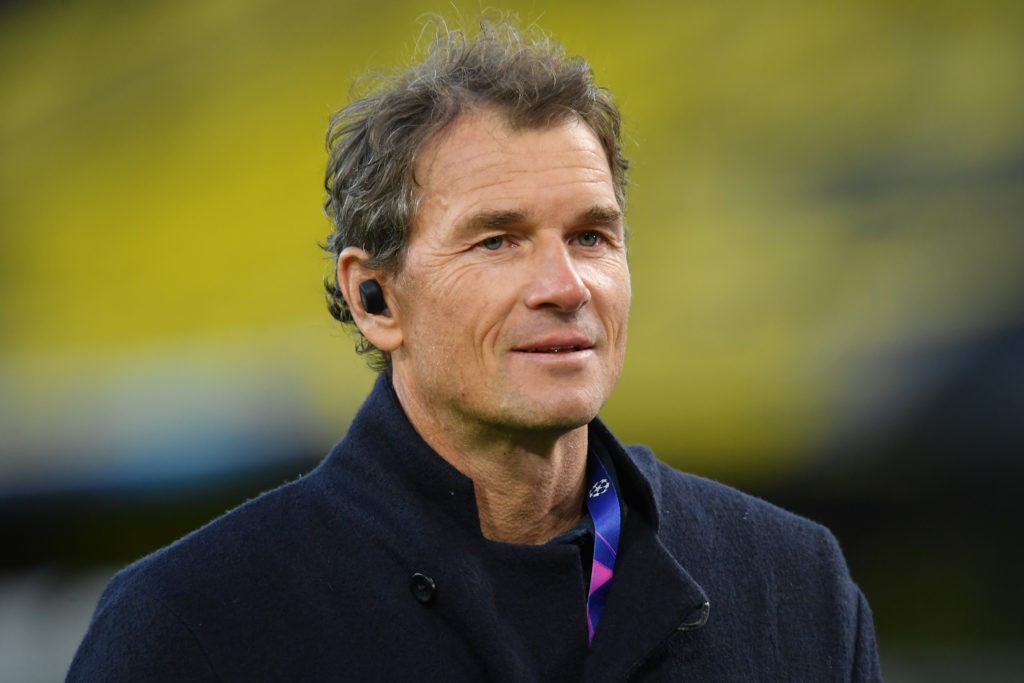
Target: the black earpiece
pixel 372 297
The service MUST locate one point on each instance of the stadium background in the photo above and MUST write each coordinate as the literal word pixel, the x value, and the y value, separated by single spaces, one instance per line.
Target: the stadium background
pixel 827 258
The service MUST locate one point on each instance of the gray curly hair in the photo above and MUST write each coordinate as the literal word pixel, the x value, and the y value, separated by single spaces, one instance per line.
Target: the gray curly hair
pixel 373 142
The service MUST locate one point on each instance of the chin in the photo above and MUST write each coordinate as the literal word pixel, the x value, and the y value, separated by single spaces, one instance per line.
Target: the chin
pixel 558 416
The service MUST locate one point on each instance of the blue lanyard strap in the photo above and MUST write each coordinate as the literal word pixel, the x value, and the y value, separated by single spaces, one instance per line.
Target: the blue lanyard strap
pixel 603 505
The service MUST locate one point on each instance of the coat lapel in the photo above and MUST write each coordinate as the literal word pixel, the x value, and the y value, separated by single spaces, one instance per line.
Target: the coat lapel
pixel 651 598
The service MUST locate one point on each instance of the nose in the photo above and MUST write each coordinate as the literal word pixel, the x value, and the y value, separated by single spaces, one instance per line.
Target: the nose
pixel 555 280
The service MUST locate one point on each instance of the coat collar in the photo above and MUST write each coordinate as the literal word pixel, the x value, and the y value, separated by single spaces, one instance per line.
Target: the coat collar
pixel 383 450
pixel 383 454
pixel 649 580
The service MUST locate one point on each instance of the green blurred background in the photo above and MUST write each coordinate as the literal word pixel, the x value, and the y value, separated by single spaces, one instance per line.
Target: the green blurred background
pixel 827 255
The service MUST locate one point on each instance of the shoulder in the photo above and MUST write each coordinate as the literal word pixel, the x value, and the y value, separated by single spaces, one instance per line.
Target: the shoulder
pixel 235 549
pixel 778 583
pixel 714 528
pixel 149 622
pixel 682 497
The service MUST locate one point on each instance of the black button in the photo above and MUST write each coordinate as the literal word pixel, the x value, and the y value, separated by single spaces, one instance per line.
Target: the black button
pixel 423 588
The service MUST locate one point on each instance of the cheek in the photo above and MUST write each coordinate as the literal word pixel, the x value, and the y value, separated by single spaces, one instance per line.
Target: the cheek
pixel 612 287
pixel 456 310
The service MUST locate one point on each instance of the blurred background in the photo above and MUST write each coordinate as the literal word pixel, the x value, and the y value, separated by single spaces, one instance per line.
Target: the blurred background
pixel 827 253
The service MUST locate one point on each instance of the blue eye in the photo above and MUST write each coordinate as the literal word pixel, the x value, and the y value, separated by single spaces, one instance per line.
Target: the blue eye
pixel 588 239
pixel 493 243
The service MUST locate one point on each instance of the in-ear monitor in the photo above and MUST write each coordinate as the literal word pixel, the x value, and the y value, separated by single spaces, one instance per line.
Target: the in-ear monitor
pixel 371 296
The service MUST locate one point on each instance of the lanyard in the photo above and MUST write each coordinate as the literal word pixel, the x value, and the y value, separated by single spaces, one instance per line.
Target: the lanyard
pixel 603 505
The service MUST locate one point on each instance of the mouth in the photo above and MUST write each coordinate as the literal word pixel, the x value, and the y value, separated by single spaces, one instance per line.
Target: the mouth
pixel 553 345
pixel 554 349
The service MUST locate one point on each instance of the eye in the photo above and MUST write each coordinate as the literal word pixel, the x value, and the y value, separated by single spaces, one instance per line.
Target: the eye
pixel 588 239
pixel 493 243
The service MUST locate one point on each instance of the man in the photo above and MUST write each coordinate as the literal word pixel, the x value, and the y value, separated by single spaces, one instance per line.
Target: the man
pixel 478 522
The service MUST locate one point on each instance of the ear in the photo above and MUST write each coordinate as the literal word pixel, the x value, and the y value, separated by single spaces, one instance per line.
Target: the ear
pixel 383 330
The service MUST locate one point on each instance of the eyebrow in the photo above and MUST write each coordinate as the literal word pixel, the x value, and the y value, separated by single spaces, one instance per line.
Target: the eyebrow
pixel 602 215
pixel 489 220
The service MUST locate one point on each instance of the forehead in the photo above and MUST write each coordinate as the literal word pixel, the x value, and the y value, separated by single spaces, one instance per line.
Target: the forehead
pixel 481 164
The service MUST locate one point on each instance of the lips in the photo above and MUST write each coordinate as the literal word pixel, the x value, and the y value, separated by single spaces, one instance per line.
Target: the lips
pixel 567 344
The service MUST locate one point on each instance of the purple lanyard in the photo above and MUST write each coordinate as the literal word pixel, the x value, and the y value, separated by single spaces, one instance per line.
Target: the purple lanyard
pixel 603 505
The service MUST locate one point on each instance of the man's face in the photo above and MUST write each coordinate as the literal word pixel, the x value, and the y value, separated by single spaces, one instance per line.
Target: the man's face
pixel 514 293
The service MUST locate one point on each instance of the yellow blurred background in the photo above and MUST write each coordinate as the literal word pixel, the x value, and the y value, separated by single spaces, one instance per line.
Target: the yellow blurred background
pixel 824 207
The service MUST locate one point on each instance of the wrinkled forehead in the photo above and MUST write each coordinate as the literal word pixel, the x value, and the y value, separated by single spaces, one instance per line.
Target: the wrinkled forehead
pixel 482 165
pixel 490 120
pixel 481 140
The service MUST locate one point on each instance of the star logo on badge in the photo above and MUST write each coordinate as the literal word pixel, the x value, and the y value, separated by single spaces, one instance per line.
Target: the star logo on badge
pixel 598 488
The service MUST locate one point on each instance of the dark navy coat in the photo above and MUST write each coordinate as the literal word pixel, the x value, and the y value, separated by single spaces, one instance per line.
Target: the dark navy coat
pixel 373 568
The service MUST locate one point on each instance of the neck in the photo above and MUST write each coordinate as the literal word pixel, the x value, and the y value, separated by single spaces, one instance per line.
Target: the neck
pixel 527 495
pixel 529 486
